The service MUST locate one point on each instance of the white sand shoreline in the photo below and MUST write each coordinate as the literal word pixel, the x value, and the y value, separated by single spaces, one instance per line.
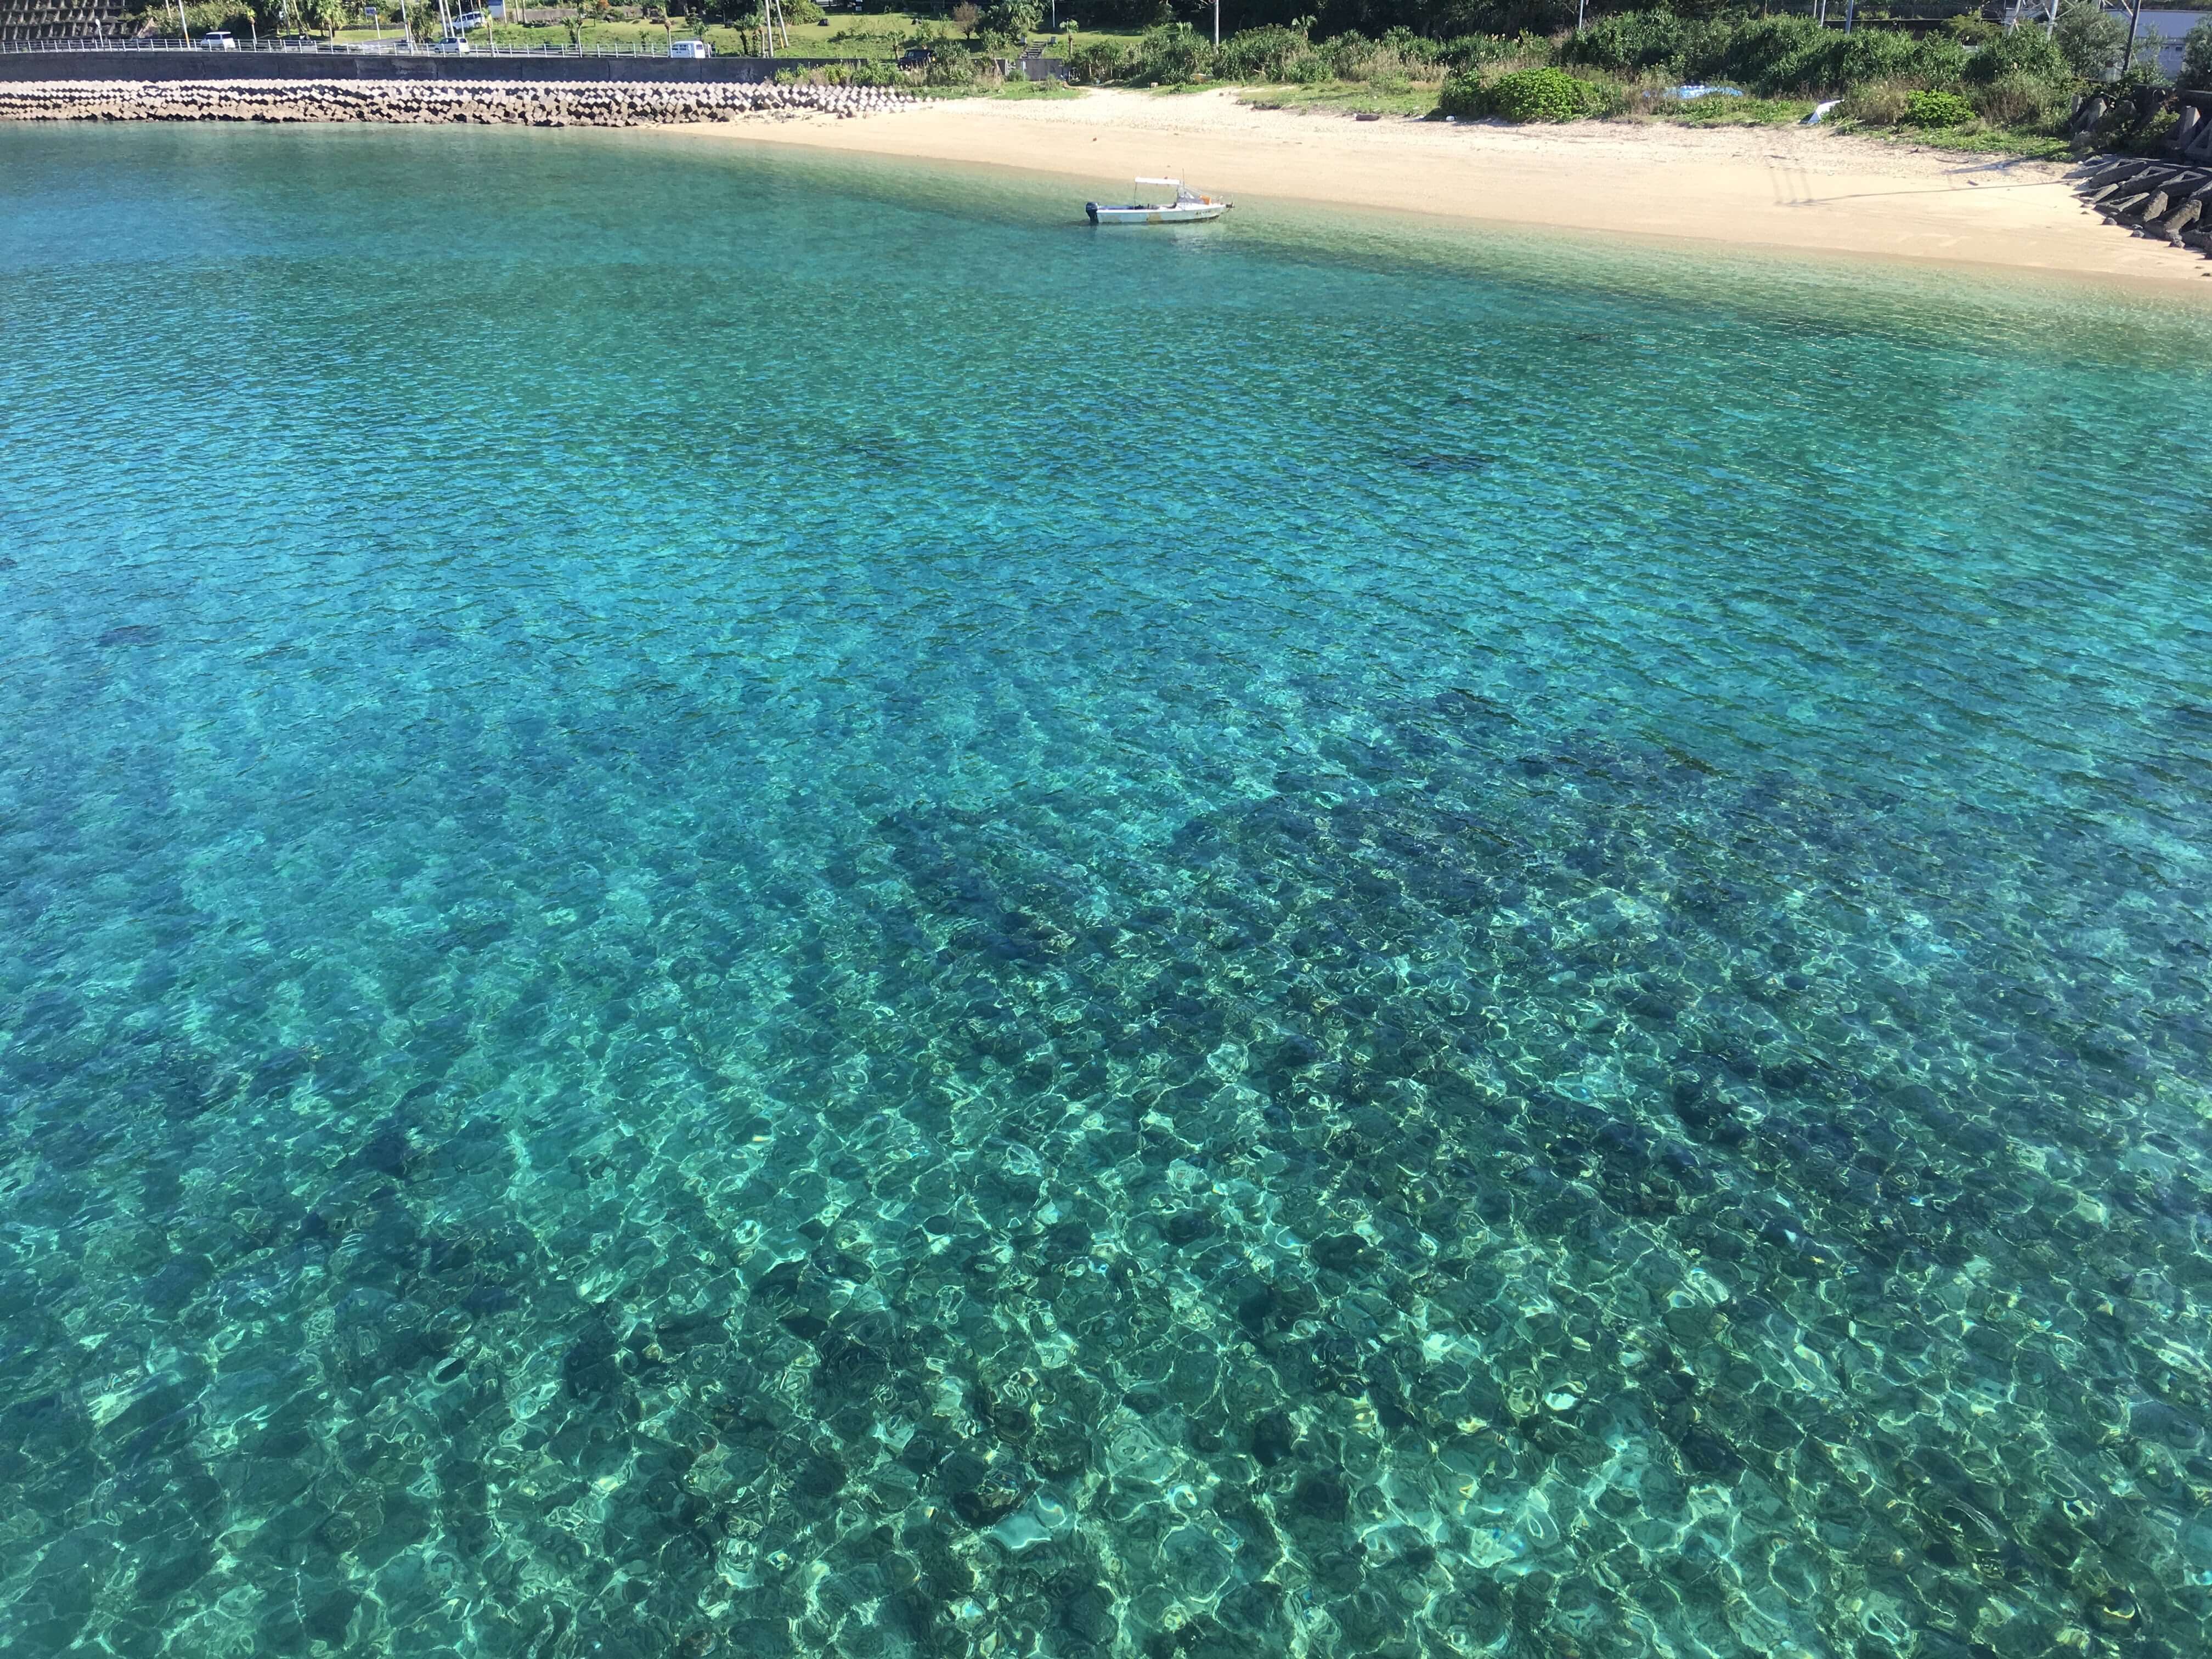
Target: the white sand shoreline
pixel 1798 191
pixel 1793 192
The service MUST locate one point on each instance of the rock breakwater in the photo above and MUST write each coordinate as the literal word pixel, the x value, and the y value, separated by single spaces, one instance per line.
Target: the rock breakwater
pixel 2170 200
pixel 521 103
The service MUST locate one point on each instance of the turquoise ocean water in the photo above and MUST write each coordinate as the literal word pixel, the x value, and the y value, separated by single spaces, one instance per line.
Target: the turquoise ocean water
pixel 760 906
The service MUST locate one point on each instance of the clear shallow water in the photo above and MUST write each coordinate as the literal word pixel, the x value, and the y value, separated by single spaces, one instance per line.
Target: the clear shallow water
pixel 680 980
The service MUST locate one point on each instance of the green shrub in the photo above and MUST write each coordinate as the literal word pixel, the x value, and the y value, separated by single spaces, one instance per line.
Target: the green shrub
pixel 1891 54
pixel 1465 94
pixel 1355 58
pixel 1771 54
pixel 1542 95
pixel 1936 109
pixel 1003 21
pixel 2196 59
pixel 1973 31
pixel 1734 111
pixel 2019 51
pixel 1877 104
pixel 1777 57
pixel 1098 62
pixel 1258 54
pixel 952 67
pixel 1416 51
pixel 2089 39
pixel 1468 52
pixel 1602 98
pixel 869 72
pixel 1171 54
pixel 2015 99
pixel 1631 41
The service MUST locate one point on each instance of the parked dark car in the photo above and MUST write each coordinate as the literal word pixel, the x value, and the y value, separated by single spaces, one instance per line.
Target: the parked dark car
pixel 916 58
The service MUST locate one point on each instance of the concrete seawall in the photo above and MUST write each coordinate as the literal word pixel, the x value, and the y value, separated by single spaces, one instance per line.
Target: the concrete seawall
pixel 142 65
pixel 523 103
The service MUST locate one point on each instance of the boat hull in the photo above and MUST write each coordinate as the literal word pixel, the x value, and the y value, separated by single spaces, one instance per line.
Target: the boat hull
pixel 1179 213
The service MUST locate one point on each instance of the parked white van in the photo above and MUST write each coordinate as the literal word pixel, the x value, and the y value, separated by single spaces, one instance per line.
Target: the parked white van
pixel 689 49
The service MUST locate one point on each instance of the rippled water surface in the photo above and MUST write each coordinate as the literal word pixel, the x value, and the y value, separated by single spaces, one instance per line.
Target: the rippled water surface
pixel 760 906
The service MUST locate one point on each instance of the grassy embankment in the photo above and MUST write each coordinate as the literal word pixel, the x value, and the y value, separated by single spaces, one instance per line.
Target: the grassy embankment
pixel 1971 86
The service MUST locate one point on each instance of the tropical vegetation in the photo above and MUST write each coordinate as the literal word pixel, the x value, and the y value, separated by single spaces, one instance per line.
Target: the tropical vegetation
pixel 1970 82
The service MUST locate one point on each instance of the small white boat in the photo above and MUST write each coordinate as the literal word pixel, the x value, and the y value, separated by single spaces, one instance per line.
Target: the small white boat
pixel 1186 207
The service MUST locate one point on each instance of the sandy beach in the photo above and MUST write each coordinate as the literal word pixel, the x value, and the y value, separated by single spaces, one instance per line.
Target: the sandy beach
pixel 1798 190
